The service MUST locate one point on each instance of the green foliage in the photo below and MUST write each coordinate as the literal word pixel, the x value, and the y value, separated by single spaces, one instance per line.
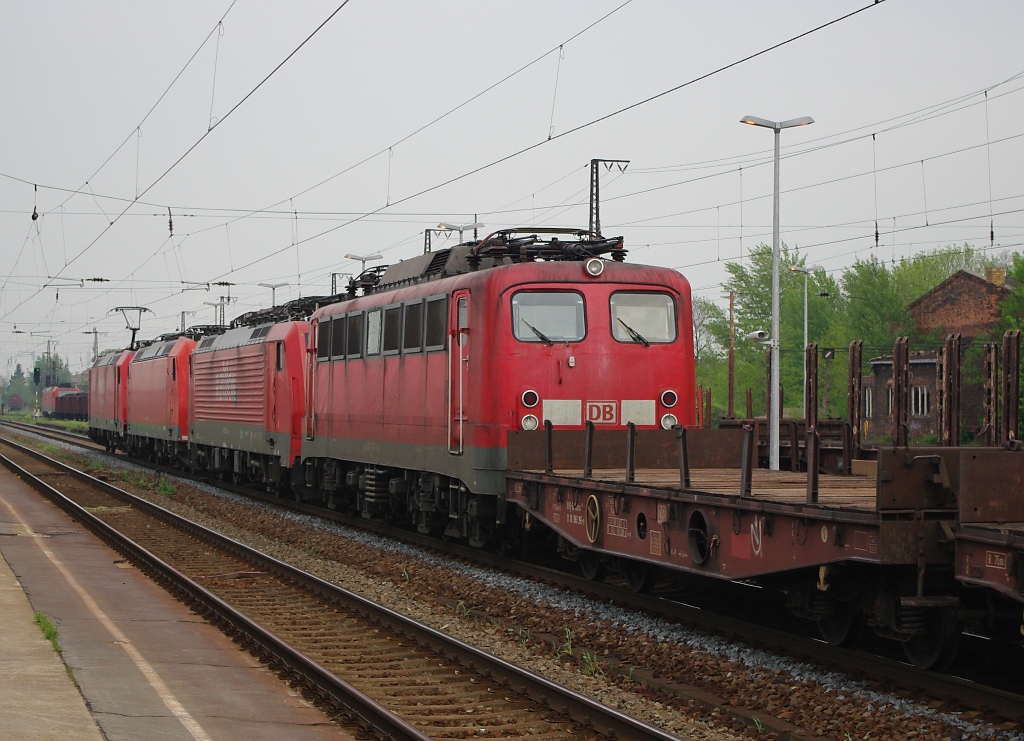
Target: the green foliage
pixel 1012 308
pixel 50 631
pixel 867 301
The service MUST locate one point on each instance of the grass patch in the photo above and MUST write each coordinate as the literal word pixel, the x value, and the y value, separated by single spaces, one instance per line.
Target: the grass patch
pixel 50 631
pixel 165 488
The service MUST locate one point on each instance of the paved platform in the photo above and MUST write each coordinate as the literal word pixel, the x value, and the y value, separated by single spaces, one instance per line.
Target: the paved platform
pixel 143 665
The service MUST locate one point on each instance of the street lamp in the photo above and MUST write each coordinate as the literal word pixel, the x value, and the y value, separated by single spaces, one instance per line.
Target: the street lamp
pixel 273 291
pixel 460 228
pixel 773 401
pixel 363 259
pixel 806 272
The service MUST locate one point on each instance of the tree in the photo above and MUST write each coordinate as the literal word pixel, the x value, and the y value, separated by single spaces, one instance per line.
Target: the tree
pixel 752 286
pixel 707 340
pixel 1012 309
pixel 19 384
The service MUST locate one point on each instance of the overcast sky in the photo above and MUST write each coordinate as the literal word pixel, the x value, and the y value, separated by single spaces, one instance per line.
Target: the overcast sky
pixel 330 156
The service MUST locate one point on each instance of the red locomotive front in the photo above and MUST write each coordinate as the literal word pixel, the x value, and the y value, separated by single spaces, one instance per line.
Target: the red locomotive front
pixel 108 397
pixel 415 388
pixel 157 412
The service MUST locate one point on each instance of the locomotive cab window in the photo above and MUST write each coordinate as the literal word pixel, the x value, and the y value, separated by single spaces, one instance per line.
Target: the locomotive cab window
pixel 643 317
pixel 548 316
pixel 323 340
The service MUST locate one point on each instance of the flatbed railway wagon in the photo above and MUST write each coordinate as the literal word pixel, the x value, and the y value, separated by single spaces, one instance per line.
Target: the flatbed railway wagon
pixel 416 384
pixel 158 400
pixel 902 549
pixel 248 403
pixel 108 398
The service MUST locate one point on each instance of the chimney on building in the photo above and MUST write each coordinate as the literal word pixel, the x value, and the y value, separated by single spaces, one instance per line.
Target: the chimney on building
pixel 996 276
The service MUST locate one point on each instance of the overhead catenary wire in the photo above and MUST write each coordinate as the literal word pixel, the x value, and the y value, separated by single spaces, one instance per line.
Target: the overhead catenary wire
pixel 580 127
pixel 178 161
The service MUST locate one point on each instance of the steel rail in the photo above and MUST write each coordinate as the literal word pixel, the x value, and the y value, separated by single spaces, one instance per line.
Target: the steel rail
pixel 603 719
pixel 327 687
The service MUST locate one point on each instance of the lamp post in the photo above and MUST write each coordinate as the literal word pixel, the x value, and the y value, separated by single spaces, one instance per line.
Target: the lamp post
pixel 460 228
pixel 363 259
pixel 806 272
pixel 773 402
pixel 273 291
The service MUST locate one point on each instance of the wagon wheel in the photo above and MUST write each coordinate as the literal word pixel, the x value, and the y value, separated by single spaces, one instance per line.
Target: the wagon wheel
pixel 591 566
pixel 640 577
pixel 936 649
pixel 844 626
pixel 593 520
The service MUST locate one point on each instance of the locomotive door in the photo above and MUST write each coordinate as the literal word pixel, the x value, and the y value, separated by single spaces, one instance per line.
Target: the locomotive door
pixel 458 371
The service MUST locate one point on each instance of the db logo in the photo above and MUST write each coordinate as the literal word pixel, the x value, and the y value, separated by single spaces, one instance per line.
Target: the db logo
pixel 602 412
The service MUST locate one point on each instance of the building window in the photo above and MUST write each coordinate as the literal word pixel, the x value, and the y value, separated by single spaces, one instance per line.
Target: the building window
pixel 869 403
pixel 920 401
pixel 889 390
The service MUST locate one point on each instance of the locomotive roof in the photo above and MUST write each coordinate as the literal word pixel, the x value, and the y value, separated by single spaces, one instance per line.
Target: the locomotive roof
pixel 237 337
pixel 501 248
pixel 109 358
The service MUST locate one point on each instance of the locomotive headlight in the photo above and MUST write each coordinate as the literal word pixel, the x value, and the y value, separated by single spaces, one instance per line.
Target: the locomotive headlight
pixel 594 267
pixel 669 421
pixel 530 423
pixel 669 398
pixel 530 399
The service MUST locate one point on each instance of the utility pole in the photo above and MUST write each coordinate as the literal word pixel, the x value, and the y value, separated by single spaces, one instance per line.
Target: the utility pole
pixel 218 309
pixel 595 195
pixel 95 342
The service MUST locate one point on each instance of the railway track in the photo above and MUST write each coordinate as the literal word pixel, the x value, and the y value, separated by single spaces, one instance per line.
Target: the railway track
pixel 964 693
pixel 389 674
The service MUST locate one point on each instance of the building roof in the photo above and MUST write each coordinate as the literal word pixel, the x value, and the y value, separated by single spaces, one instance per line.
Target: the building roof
pixel 1008 285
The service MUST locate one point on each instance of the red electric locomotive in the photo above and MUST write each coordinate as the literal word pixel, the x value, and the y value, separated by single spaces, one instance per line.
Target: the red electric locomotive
pixel 248 402
pixel 158 403
pixel 108 398
pixel 417 383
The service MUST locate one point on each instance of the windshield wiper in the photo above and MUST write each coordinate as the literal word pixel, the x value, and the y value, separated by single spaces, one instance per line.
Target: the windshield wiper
pixel 543 337
pixel 636 336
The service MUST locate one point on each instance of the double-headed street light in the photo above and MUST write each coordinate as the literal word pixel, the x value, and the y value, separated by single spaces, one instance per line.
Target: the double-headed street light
pixel 806 272
pixel 460 228
pixel 363 259
pixel 773 401
pixel 273 291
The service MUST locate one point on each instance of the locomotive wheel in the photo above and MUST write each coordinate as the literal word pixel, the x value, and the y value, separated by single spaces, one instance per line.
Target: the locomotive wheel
pixel 934 650
pixel 591 566
pixel 640 577
pixel 844 626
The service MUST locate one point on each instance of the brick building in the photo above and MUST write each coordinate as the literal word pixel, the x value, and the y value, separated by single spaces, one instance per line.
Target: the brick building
pixel 965 302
